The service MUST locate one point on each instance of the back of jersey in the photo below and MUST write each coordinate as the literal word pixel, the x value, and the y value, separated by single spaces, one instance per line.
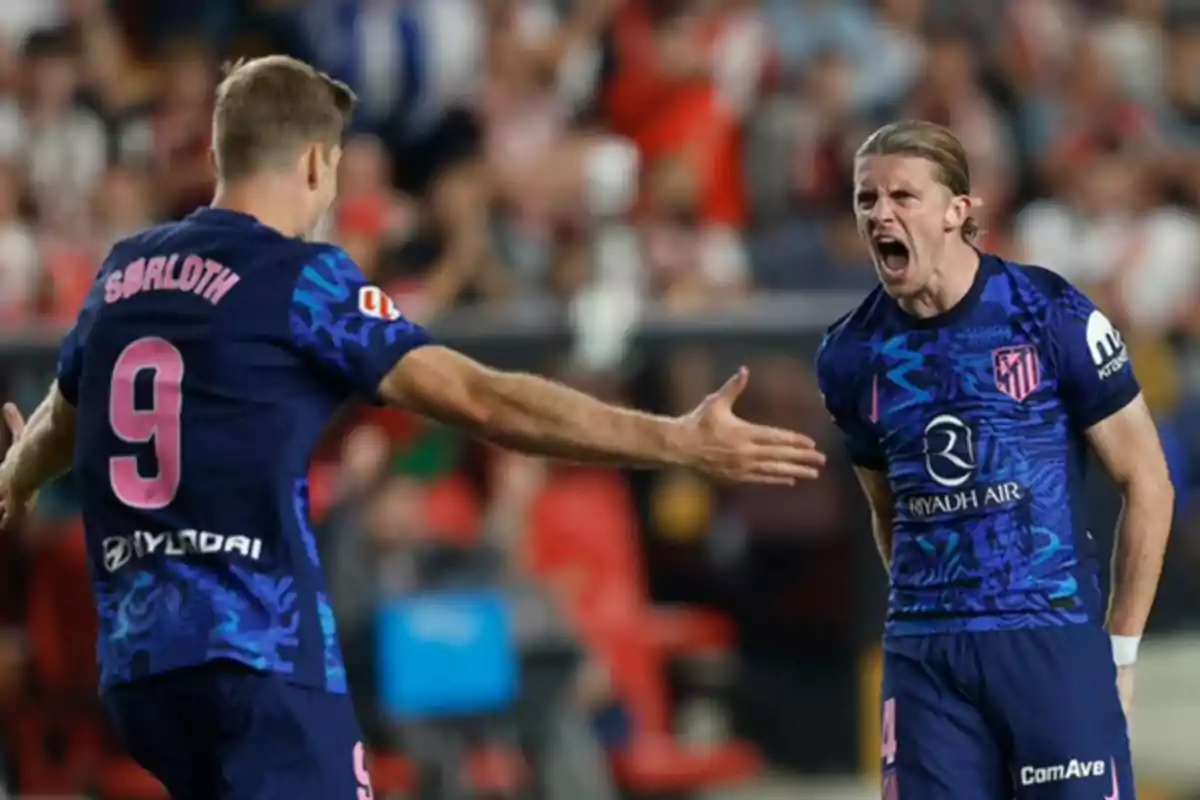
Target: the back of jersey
pixel 204 368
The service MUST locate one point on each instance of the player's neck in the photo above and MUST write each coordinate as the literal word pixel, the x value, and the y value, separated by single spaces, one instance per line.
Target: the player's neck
pixel 952 281
pixel 266 201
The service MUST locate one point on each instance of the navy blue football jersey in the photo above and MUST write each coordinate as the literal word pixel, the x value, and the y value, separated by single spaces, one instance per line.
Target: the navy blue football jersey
pixel 977 418
pixel 204 367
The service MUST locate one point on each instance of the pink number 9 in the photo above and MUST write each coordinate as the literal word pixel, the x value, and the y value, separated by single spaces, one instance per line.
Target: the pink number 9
pixel 159 424
pixel 361 775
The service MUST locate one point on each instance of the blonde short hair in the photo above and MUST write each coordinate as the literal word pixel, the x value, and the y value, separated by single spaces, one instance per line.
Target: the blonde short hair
pixel 268 108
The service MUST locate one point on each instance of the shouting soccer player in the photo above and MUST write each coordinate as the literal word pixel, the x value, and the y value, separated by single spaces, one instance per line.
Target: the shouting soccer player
pixel 969 389
pixel 199 376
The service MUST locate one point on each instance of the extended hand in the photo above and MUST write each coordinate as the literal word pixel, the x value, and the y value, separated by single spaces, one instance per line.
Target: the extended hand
pixel 719 444
pixel 15 503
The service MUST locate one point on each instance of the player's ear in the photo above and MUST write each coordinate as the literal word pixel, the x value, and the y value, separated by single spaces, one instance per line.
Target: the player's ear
pixel 957 212
pixel 313 164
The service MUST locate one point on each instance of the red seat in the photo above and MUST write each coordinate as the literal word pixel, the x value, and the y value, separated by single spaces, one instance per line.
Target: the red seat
pixel 490 770
pixel 124 779
pixel 683 630
pixel 656 765
pixel 584 538
pixel 655 762
pixel 584 531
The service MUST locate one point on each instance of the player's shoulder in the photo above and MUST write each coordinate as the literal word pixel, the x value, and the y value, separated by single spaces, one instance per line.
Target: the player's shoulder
pixel 853 328
pixel 326 273
pixel 1047 291
pixel 316 260
pixel 247 243
pixel 137 244
pixel 844 342
pixel 330 279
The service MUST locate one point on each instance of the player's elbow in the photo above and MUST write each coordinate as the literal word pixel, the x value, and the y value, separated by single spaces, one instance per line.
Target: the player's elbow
pixel 442 384
pixel 1161 487
pixel 1149 483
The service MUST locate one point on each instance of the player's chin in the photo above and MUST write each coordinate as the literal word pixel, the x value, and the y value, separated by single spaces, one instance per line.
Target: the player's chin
pixel 898 280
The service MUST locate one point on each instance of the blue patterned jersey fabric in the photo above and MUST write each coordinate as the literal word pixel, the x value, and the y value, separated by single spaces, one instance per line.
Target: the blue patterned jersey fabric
pixel 977 418
pixel 204 367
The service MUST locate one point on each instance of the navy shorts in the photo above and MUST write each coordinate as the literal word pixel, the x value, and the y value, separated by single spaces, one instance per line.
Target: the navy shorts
pixel 1004 714
pixel 223 731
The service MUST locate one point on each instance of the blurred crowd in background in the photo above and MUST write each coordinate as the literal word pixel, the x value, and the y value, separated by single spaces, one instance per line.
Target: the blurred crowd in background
pixel 600 160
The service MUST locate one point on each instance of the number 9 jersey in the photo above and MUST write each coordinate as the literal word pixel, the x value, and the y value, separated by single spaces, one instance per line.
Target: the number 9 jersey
pixel 204 367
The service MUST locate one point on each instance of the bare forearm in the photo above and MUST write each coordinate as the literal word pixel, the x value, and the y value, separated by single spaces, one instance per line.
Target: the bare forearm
pixel 1141 544
pixel 541 417
pixel 47 448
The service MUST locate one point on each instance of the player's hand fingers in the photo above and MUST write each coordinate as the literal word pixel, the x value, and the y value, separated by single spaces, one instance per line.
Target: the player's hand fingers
pixel 788 471
pixel 806 456
pixel 765 434
pixel 768 480
pixel 14 420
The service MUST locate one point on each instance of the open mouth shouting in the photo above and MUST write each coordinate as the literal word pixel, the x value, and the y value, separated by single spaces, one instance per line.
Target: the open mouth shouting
pixel 893 257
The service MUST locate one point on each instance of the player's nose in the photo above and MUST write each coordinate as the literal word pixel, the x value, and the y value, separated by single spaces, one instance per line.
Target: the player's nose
pixel 880 215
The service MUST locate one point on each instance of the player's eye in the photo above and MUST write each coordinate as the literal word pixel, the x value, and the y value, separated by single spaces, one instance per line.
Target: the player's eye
pixel 865 200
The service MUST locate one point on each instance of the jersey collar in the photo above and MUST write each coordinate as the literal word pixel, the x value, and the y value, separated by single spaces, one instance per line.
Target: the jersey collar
pixel 223 216
pixel 987 268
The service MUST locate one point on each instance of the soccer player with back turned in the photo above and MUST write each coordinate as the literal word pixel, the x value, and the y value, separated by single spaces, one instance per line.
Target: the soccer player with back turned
pixel 200 374
pixel 969 390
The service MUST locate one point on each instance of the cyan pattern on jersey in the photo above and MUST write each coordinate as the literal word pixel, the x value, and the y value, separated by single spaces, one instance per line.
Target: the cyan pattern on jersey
pixel 322 287
pixel 252 617
pixel 322 321
pixel 995 543
pixel 335 669
pixel 1015 556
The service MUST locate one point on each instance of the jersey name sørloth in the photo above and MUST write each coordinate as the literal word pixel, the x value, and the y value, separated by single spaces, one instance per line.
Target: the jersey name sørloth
pixel 204 366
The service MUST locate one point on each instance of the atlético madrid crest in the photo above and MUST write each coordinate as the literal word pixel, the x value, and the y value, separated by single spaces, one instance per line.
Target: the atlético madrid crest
pixel 1017 370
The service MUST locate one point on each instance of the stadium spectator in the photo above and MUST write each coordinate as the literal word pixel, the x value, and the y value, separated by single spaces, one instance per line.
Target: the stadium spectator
pixel 20 274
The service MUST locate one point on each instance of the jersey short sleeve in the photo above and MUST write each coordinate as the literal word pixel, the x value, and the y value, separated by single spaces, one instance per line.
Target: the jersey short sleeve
pixel 350 329
pixel 1095 376
pixel 70 354
pixel 842 401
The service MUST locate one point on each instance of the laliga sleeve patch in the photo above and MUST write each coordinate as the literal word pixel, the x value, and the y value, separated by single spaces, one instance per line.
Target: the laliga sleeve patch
pixel 374 302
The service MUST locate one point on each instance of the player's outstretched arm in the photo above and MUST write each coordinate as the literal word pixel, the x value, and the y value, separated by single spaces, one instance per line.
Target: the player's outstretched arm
pixel 538 416
pixel 41 451
pixel 1128 446
pixel 879 496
